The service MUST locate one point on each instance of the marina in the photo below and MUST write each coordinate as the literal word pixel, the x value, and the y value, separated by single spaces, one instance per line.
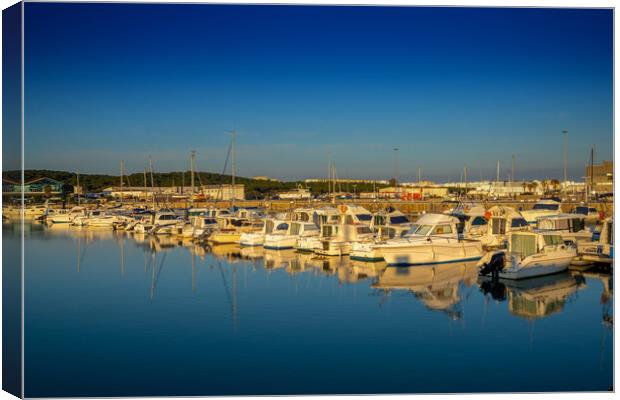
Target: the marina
pixel 272 317
pixel 205 199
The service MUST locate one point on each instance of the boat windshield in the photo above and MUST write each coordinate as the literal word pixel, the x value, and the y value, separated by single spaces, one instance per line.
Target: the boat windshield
pixel 282 227
pixel 540 206
pixel 422 230
pixel 364 217
pixel 581 210
pixel 399 219
pixel 553 239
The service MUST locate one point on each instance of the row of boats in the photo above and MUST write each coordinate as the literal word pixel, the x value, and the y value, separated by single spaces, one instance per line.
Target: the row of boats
pixel 504 242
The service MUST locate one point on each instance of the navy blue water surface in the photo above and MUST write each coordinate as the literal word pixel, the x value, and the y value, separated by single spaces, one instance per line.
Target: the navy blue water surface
pixel 111 313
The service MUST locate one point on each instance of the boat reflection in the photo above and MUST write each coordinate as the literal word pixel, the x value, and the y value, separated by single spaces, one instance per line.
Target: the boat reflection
pixel 534 298
pixel 437 286
pixel 607 296
pixel 356 271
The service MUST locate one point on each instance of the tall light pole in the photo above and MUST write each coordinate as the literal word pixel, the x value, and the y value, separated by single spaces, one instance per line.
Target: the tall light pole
pixel 564 132
pixel 395 167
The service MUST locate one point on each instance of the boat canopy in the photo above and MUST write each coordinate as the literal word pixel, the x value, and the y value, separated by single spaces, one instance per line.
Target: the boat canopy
pixel 570 222
pixel 550 205
pixel 528 243
pixel 433 219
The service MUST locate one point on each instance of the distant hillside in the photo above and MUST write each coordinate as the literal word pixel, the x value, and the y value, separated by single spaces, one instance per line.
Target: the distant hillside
pixel 253 188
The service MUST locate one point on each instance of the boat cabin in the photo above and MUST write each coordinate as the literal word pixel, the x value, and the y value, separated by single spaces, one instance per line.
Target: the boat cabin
pixel 350 215
pixel 299 228
pixel 505 219
pixel 561 222
pixel 524 244
pixel 273 226
pixel 437 225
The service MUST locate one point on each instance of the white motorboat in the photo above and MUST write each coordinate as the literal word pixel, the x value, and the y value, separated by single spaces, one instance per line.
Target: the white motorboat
pixel 502 220
pixel 601 250
pixel 473 221
pixel 270 227
pixel 542 208
pixel 229 230
pixel 433 239
pixel 296 194
pixel 313 243
pixel 345 236
pixel 198 227
pixel 529 254
pixel 385 226
pixel 155 224
pixel 571 227
pixel 289 240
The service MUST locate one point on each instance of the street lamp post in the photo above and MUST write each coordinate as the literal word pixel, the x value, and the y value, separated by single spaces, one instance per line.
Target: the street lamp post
pixel 395 167
pixel 564 132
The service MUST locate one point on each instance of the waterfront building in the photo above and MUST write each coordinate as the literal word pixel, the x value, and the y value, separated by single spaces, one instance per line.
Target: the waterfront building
pixel 223 192
pixel 39 186
pixel 413 192
pixel 600 178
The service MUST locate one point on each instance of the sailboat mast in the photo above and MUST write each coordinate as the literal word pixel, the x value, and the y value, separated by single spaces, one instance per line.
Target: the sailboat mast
pixel 122 167
pixel 78 187
pixel 145 191
pixel 152 183
pixel 193 158
pixel 234 167
pixel 497 174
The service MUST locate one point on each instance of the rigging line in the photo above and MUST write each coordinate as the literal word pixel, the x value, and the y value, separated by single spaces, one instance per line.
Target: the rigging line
pixel 221 191
pixel 161 265
pixel 219 265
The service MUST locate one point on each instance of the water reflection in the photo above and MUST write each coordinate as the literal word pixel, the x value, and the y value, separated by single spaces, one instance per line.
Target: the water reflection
pixel 536 297
pixel 437 286
pixel 123 296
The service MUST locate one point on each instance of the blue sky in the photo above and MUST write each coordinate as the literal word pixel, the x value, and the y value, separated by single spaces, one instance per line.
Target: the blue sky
pixel 449 87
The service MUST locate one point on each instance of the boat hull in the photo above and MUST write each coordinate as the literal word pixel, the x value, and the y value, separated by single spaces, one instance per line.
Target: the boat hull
pixel 280 242
pixel 428 254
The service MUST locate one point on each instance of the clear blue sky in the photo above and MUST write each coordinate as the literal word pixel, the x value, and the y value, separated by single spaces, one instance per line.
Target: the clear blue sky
pixel 448 86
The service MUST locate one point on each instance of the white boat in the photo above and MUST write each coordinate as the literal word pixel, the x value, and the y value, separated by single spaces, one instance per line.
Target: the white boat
pixel 571 227
pixel 433 239
pixel 155 224
pixel 601 250
pixel 35 211
pixel 289 240
pixel 270 227
pixel 502 220
pixel 529 254
pixel 385 226
pixel 542 208
pixel 100 217
pixel 473 222
pixel 345 236
pixel 199 226
pixel 296 194
pixel 229 230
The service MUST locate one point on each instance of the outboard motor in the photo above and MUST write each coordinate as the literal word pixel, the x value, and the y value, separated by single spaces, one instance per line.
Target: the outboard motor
pixel 495 265
pixel 496 289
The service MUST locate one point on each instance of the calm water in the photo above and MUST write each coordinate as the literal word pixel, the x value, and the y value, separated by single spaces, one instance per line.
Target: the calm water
pixel 112 314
